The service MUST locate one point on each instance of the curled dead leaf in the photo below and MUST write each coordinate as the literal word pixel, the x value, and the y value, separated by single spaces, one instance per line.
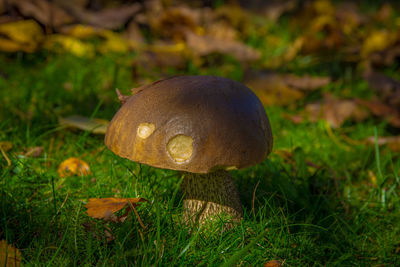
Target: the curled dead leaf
pixel 9 255
pixel 393 142
pixel 34 152
pixel 202 45
pixel 108 18
pixel 104 208
pixel 73 166
pixel 45 12
pixel 94 125
pixel 381 109
pixel 273 263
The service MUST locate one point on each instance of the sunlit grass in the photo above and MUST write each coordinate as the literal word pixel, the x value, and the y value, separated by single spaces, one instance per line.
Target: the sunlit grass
pixel 320 206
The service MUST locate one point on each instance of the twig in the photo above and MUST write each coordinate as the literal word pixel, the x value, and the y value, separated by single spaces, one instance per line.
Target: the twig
pixel 137 215
pixel 254 197
pixel 5 156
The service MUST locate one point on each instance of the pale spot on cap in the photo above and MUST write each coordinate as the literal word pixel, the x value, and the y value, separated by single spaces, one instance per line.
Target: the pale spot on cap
pixel 180 148
pixel 230 168
pixel 145 130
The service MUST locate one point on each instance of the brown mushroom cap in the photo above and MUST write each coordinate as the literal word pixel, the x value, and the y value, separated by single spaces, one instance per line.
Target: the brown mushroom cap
pixel 192 123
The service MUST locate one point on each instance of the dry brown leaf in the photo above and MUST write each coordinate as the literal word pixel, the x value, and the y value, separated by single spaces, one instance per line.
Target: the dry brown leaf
pixel 282 89
pixel 9 255
pixel 133 34
pixel 108 18
pixel 385 57
pixel 43 11
pixel 272 89
pixel 34 152
pixel 174 21
pixel 202 45
pixel 104 208
pixel 334 111
pixel 273 263
pixel 384 13
pixel 306 82
pixel 380 109
pixel 386 87
pixel 160 56
pixel 393 142
pixel 73 166
pixel 96 126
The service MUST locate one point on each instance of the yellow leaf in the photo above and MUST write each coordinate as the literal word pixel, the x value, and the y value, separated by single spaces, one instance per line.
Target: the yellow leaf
pixel 6 145
pixel 81 31
pixel 274 263
pixel 9 255
pixel 372 177
pixel 23 35
pixel 378 41
pixel 73 166
pixel 70 44
pixel 101 208
pixel 113 43
pixel 324 7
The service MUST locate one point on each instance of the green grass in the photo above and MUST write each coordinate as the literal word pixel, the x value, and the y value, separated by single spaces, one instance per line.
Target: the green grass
pixel 331 214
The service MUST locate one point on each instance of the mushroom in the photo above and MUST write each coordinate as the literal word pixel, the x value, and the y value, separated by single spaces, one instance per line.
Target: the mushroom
pixel 203 126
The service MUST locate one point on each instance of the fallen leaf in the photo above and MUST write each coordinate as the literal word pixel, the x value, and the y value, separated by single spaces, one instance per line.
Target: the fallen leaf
pixel 45 12
pixel 281 89
pixel 384 13
pixel 172 22
pixel 96 126
pixel 34 152
pixel 80 31
pixel 393 142
pixel 160 56
pixel 6 145
pixel 113 42
pixel 101 208
pixel 334 111
pixel 62 43
pixel 272 90
pixel 381 109
pixel 386 87
pixel 202 45
pixel 108 18
pixel 378 40
pixel 306 82
pixel 73 166
pixel 23 35
pixel 372 177
pixel 273 10
pixel 134 35
pixel 273 263
pixel 9 255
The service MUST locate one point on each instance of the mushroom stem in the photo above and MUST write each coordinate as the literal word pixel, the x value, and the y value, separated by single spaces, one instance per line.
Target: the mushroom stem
pixel 211 197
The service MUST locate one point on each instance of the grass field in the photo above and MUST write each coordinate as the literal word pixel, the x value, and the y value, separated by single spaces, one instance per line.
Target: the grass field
pixel 317 200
